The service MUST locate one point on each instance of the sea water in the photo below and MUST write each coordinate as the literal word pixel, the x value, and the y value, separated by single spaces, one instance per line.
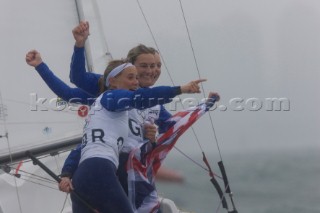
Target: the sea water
pixel 284 181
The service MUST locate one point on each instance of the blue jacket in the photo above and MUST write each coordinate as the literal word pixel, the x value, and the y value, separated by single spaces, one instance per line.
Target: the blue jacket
pixel 80 96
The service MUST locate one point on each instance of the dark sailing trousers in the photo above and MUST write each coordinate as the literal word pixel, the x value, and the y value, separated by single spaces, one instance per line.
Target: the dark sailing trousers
pixel 96 182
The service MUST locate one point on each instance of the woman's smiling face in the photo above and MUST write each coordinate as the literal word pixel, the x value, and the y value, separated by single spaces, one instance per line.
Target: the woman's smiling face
pixel 145 64
pixel 127 79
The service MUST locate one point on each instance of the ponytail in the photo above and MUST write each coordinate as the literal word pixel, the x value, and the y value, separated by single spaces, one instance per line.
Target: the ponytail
pixel 102 84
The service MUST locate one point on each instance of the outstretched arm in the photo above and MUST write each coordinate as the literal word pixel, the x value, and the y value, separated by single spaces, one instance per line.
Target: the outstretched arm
pixel 87 81
pixel 33 58
pixel 120 100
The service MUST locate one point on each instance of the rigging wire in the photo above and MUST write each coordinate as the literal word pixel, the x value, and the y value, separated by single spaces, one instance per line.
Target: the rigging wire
pixel 9 149
pixel 100 26
pixel 166 67
pixel 36 177
pixel 195 162
pixel 57 163
pixel 221 194
pixel 226 182
pixel 59 169
pixel 64 203
pixel 34 182
pixel 23 173
pixel 155 41
pixel 31 175
pixel 199 75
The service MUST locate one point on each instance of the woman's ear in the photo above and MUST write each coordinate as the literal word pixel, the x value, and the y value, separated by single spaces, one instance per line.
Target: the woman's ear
pixel 112 82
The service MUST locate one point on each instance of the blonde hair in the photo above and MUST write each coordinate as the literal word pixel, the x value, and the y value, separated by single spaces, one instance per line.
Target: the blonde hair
pixel 154 50
pixel 138 50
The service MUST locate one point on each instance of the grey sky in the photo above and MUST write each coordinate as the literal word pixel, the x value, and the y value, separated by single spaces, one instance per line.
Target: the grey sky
pixel 246 49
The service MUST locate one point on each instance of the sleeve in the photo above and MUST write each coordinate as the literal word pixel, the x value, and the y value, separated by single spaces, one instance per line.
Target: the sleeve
pixel 71 163
pixel 120 100
pixel 87 81
pixel 61 89
pixel 161 122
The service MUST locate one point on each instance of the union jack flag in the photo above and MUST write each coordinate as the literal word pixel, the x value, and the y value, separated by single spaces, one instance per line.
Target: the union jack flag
pixel 144 161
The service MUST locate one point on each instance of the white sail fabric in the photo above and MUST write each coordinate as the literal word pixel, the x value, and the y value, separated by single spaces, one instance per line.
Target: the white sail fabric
pixel 45 26
pixel 26 120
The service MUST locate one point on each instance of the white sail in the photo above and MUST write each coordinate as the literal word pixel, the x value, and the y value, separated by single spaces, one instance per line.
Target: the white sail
pixel 31 116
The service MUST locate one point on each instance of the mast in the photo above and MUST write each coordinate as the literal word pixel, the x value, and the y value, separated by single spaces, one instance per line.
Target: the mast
pixel 96 46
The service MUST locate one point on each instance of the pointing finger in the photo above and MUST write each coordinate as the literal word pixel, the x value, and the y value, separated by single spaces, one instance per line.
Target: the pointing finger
pixel 200 80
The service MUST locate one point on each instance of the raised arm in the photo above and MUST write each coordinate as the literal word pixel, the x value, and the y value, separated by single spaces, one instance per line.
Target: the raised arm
pixel 61 89
pixel 87 81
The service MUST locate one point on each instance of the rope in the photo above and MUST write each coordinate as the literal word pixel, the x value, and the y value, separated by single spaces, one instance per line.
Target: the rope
pixel 64 203
pixel 57 163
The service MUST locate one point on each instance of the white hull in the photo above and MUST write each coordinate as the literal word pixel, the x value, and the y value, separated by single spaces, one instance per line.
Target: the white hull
pixel 168 206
